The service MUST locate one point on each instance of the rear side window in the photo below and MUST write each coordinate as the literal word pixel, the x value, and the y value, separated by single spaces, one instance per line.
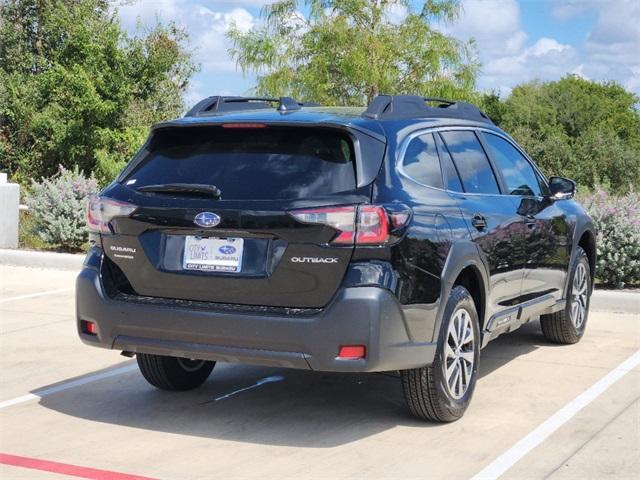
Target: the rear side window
pixel 421 161
pixel 270 163
pixel 519 175
pixel 471 162
pixel 450 174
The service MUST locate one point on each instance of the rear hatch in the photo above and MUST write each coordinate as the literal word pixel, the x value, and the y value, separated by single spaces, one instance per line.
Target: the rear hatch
pixel 214 213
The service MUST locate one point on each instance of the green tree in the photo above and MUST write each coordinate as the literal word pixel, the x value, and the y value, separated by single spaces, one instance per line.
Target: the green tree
pixel 345 52
pixel 77 91
pixel 585 130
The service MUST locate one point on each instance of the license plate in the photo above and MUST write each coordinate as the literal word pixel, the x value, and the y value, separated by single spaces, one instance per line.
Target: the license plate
pixel 213 254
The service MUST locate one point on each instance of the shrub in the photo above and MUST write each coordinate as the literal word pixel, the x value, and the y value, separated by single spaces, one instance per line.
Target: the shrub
pixel 617 220
pixel 576 128
pixel 58 206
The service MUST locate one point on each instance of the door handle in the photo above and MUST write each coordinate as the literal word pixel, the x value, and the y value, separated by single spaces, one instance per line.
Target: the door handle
pixel 479 222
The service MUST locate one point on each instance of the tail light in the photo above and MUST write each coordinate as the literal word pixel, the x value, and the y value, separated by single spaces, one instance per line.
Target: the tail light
pixel 340 218
pixel 101 210
pixel 362 225
pixel 373 225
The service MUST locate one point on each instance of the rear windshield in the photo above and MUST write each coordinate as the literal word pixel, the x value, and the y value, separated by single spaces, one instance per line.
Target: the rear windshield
pixel 250 163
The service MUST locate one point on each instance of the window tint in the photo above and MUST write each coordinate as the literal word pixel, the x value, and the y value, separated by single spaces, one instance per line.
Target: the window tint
pixel 251 163
pixel 471 162
pixel 450 174
pixel 518 173
pixel 421 161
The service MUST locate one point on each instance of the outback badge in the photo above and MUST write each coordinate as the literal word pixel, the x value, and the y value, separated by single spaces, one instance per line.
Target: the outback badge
pixel 206 219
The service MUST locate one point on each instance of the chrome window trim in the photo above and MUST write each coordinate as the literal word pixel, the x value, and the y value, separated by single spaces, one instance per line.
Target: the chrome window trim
pixel 407 140
pixel 400 162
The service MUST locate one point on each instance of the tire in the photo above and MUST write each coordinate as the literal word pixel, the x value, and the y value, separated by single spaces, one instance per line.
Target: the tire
pixel 427 392
pixel 568 326
pixel 171 373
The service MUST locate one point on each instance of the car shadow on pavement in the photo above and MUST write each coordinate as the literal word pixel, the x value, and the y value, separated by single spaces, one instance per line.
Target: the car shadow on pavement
pixel 510 346
pixel 305 409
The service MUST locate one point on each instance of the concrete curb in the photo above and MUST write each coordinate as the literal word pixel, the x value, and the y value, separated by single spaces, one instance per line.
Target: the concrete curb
pixel 30 258
pixel 615 302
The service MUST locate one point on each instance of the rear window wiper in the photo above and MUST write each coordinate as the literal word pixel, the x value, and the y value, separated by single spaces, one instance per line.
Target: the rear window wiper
pixel 183 189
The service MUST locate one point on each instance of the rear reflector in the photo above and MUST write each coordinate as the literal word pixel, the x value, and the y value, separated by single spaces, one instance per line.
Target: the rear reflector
pixel 89 327
pixel 352 352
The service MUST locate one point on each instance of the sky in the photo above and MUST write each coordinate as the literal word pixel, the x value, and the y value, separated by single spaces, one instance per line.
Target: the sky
pixel 518 40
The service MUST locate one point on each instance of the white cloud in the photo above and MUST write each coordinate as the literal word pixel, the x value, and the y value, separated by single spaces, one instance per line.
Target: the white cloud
pixel 612 47
pixel 507 58
pixel 396 13
pixel 206 27
pixel 494 24
pixel 206 23
pixel 565 9
pixel 211 43
pixel 545 46
pixel 610 51
pixel 616 35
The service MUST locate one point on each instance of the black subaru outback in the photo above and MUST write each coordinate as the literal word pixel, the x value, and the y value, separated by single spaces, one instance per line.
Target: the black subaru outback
pixel 403 237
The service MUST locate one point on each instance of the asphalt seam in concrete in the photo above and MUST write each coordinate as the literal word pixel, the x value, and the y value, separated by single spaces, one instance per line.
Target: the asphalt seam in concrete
pixel 7 332
pixel 35 295
pixel 591 437
pixel 543 431
pixel 542 362
pixel 43 392
pixel 33 312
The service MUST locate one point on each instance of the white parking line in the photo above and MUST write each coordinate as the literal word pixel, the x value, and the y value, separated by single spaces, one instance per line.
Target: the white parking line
pixel 33 295
pixel 509 458
pixel 67 385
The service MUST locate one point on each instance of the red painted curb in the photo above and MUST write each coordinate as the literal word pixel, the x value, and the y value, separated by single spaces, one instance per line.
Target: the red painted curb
pixel 66 469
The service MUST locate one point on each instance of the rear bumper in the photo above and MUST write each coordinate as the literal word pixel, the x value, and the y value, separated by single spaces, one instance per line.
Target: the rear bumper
pixel 369 316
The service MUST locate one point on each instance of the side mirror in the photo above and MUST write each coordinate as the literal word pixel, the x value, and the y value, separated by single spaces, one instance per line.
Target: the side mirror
pixel 561 188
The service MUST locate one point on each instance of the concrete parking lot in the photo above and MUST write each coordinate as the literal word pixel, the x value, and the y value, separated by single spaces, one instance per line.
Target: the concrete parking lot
pixel 539 410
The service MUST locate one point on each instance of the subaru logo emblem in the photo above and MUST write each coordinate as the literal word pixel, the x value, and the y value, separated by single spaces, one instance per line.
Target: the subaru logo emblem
pixel 227 250
pixel 206 219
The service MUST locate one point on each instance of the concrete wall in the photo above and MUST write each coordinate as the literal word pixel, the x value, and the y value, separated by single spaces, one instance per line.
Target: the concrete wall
pixel 9 208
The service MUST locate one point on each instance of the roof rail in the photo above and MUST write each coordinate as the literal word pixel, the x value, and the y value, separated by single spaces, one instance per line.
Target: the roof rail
pixel 219 105
pixel 385 107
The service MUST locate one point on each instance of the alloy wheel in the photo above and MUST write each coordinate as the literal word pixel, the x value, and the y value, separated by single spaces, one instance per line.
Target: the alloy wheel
pixel 579 296
pixel 459 353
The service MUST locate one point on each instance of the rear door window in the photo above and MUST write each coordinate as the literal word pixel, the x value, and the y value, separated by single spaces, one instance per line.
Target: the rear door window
pixel 421 161
pixel 518 173
pixel 266 163
pixel 471 162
